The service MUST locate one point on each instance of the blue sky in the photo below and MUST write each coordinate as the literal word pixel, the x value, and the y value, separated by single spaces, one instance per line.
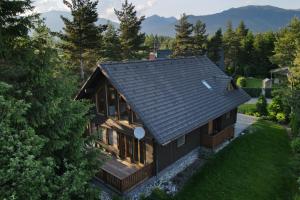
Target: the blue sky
pixel 169 8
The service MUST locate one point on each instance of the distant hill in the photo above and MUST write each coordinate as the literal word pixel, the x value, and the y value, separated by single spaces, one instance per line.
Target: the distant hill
pixel 55 23
pixel 159 25
pixel 257 18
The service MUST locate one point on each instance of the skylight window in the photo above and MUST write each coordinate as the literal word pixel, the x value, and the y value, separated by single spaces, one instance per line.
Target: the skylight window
pixel 206 85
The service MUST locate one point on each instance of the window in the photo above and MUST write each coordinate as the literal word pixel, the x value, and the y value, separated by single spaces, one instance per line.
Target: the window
pixel 100 101
pixel 123 109
pixel 136 118
pixel 110 137
pixel 206 85
pixel 112 101
pixel 181 141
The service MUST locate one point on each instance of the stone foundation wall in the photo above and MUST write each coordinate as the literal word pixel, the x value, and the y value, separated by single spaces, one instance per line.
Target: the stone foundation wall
pixel 163 179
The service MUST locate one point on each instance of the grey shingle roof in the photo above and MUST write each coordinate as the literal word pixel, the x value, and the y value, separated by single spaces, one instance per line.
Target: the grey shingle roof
pixel 169 96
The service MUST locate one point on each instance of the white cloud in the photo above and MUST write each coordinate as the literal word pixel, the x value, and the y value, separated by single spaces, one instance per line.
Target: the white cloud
pixel 109 14
pixel 105 7
pixel 48 5
pixel 147 5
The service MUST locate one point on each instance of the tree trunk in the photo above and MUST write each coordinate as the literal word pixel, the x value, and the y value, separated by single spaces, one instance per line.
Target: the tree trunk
pixel 81 66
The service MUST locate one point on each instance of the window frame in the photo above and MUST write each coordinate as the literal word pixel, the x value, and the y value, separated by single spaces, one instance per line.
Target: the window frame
pixel 181 141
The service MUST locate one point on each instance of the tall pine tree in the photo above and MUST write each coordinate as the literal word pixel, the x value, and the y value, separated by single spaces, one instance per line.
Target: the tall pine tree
pixel 286 44
pixel 231 47
pixel 199 38
pixel 82 37
pixel 215 47
pixel 241 30
pixel 183 40
pixel 13 24
pixel 111 44
pixel 130 26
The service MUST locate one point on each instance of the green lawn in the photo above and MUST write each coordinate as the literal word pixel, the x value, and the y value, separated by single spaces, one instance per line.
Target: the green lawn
pixel 253 167
pixel 247 108
pixel 253 83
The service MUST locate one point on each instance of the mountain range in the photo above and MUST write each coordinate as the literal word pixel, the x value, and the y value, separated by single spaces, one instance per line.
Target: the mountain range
pixel 256 18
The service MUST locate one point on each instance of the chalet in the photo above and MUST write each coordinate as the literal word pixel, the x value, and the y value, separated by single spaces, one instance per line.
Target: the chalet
pixel 182 104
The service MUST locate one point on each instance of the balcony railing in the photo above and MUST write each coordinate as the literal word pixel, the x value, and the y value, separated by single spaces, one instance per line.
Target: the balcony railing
pixel 213 141
pixel 122 178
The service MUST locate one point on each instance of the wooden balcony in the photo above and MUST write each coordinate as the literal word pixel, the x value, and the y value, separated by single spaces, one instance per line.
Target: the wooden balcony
pixel 122 176
pixel 214 140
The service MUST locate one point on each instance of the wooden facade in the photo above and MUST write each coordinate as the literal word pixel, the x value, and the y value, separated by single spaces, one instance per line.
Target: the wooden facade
pixel 134 161
pixel 211 135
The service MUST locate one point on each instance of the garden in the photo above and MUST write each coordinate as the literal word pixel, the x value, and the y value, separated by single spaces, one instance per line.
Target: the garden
pixel 237 172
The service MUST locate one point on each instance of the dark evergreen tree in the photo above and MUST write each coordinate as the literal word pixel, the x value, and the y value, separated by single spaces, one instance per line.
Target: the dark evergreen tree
pixel 183 40
pixel 231 47
pixel 130 26
pixel 42 127
pixel 286 44
pixel 111 44
pixel 263 50
pixel 199 38
pixel 241 30
pixel 82 37
pixel 12 24
pixel 23 174
pixel 245 55
pixel 215 47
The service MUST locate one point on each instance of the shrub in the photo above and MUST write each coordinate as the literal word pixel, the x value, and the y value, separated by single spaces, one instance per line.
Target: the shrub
pixel 158 194
pixel 295 144
pixel 295 124
pixel 241 81
pixel 280 117
pixel 268 92
pixel 261 106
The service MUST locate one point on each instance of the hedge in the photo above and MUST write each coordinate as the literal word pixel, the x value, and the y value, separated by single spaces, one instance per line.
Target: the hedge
pixel 256 92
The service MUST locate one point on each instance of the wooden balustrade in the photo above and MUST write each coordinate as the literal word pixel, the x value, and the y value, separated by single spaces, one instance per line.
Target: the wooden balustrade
pixel 128 182
pixel 213 141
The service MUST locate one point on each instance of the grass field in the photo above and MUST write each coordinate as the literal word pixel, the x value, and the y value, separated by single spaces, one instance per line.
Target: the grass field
pixel 253 83
pixel 247 108
pixel 253 167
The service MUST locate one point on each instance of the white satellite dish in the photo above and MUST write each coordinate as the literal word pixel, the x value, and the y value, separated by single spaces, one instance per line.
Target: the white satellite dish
pixel 139 133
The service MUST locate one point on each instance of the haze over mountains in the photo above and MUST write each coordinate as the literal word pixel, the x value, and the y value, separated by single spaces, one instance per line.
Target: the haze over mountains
pixel 257 18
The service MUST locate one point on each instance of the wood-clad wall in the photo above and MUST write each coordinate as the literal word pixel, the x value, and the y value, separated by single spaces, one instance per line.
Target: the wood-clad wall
pixel 168 154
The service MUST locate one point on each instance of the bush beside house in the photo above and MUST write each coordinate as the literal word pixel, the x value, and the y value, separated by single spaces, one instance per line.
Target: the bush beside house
pixel 261 106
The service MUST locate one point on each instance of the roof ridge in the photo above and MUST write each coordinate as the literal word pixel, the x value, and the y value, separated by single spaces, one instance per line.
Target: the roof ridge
pixel 146 61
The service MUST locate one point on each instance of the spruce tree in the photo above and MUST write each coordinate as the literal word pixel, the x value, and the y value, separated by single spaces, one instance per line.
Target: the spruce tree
pixel 199 38
pixel 183 40
pixel 81 40
pixel 111 44
pixel 12 24
pixel 130 26
pixel 24 172
pixel 286 44
pixel 241 30
pixel 231 47
pixel 215 47
pixel 44 150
